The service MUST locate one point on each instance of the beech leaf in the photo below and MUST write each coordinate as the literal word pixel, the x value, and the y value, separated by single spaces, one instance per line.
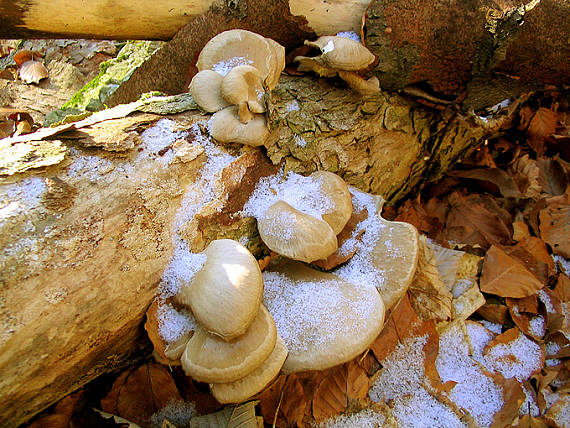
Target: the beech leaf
pixel 284 402
pixel 503 181
pixel 505 276
pixel 330 396
pixel 555 224
pixel 240 416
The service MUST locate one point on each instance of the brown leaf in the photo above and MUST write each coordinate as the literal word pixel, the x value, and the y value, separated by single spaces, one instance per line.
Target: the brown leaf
pixel 398 326
pixel 369 363
pixel 428 294
pixel 499 178
pixel 33 71
pixel 139 393
pixel 555 224
pixel 331 395
pixel 495 313
pixel 528 421
pixel 525 312
pixel 357 384
pixel 536 257
pixel 152 329
pixel 542 125
pixel 477 221
pixel 60 415
pixel 505 276
pixel 526 174
pixel 513 397
pixel 414 213
pixel 283 404
pixel 552 176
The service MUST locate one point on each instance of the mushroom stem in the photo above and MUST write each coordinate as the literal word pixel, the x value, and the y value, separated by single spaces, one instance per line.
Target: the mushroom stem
pixel 245 115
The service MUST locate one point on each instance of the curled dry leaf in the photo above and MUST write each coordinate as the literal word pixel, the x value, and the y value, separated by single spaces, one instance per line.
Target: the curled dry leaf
pixel 283 404
pixel 139 393
pixel 505 276
pixel 555 224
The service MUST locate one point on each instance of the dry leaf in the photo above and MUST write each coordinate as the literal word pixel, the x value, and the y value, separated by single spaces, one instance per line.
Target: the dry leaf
pixel 528 421
pixel 239 416
pixel 552 177
pixel 542 125
pixel 33 71
pixel 555 224
pixel 559 411
pixel 152 329
pixel 60 415
pixel 139 393
pixel 429 296
pixel 400 324
pixel 526 317
pixel 495 313
pixel 283 404
pixel 526 174
pixel 505 276
pixel 536 257
pixel 513 397
pixel 502 181
pixel 477 221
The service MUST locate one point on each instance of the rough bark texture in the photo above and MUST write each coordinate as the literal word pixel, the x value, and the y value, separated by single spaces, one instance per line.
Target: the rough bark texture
pixel 85 239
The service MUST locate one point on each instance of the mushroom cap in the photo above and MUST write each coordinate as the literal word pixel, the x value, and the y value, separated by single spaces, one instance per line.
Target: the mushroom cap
pixel 237 47
pixel 340 210
pixel 278 66
pixel 242 389
pixel 227 128
pixel 174 350
pixel 205 88
pixel 224 295
pixel 243 84
pixel 207 358
pixel 323 319
pixel 296 235
pixel 342 53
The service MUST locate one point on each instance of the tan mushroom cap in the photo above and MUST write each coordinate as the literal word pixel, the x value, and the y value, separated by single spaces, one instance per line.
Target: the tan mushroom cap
pixel 296 235
pixel 205 88
pixel 207 358
pixel 224 295
pixel 342 53
pixel 340 199
pixel 279 64
pixel 242 389
pixel 243 87
pixel 227 128
pixel 323 319
pixel 237 47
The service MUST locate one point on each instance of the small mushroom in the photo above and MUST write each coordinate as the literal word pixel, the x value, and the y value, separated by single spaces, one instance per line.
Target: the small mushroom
pixel 324 320
pixel 208 358
pixel 296 235
pixel 224 295
pixel 205 89
pixel 243 87
pixel 340 210
pixel 242 389
pixel 342 56
pixel 342 53
pixel 227 128
pixel 238 47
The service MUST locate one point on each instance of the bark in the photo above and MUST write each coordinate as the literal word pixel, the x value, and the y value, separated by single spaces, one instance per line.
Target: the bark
pixel 89 220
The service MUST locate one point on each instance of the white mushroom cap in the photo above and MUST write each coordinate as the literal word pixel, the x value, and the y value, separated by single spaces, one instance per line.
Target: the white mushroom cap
pixel 227 128
pixel 174 350
pixel 224 295
pixel 296 235
pixel 237 47
pixel 342 53
pixel 205 88
pixel 340 209
pixel 243 87
pixel 207 358
pixel 323 319
pixel 242 389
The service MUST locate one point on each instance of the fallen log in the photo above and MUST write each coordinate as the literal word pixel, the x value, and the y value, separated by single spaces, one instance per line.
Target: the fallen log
pixel 92 213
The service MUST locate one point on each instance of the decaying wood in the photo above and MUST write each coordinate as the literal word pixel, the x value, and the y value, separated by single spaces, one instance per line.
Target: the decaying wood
pixel 85 239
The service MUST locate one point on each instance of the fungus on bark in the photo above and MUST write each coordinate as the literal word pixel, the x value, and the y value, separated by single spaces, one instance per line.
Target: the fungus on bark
pixel 227 128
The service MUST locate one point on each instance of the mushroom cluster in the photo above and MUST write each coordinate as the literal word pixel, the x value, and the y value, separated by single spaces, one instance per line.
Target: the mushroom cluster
pixel 235 346
pixel 343 56
pixel 305 237
pixel 236 69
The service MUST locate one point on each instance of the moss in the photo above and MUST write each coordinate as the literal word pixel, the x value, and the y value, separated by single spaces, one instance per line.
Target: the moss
pixel 112 74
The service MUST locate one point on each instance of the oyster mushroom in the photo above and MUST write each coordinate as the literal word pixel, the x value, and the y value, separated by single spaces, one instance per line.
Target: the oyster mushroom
pixel 241 47
pixel 339 211
pixel 208 358
pixel 224 295
pixel 342 56
pixel 296 235
pixel 227 128
pixel 324 320
pixel 244 388
pixel 205 88
pixel 242 86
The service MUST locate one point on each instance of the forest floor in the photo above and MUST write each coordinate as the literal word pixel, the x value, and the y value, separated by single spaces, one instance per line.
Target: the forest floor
pixel 487 345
